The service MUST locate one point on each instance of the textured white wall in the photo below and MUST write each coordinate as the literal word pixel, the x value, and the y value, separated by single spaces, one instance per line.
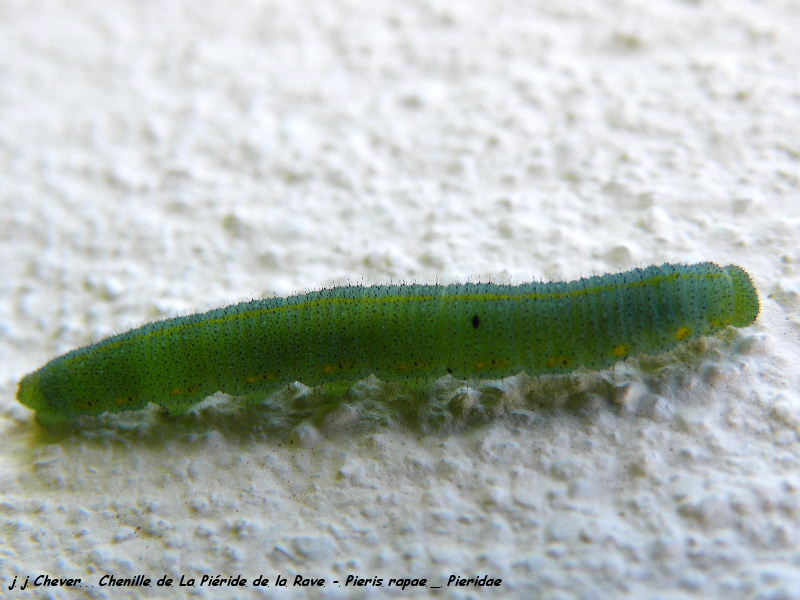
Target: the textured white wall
pixel 162 158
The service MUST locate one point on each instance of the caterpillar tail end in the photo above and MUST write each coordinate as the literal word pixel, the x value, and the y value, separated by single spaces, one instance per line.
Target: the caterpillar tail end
pixel 746 301
pixel 30 394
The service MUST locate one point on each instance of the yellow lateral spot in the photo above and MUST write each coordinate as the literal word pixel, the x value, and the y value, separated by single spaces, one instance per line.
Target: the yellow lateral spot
pixel 683 332
pixel 493 363
pixel 621 351
pixel 558 361
pixel 343 366
pixel 417 364
pixel 176 392
pixel 251 379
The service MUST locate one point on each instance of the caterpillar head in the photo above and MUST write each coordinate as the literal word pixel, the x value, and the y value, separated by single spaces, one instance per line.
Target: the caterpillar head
pixel 746 304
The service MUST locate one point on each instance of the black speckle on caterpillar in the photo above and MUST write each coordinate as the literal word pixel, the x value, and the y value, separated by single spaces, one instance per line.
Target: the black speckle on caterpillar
pixel 396 332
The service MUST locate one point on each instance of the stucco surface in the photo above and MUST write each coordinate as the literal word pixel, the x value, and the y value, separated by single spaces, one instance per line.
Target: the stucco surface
pixel 165 158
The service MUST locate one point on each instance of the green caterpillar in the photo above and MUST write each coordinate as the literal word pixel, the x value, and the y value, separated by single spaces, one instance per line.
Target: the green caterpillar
pixel 343 334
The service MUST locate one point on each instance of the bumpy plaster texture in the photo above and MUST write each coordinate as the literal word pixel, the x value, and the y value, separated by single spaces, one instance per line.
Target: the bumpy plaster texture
pixel 162 158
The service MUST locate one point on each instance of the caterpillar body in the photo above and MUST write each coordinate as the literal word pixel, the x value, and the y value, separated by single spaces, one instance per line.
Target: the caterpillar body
pixel 343 334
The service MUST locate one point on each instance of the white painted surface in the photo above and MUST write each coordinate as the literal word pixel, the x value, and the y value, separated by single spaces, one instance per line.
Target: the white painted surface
pixel 162 158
